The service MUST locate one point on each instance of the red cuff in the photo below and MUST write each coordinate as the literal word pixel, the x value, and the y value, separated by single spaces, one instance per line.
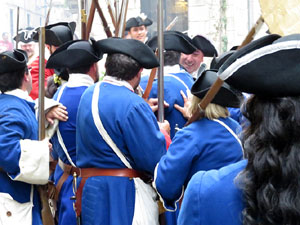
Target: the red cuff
pixel 167 137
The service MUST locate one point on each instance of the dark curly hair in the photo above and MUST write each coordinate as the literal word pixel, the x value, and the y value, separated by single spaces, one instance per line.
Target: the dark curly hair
pixel 271 179
pixel 121 66
pixel 12 80
pixel 171 58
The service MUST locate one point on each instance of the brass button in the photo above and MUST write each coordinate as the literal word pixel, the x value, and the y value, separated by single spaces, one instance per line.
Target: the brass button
pixel 8 213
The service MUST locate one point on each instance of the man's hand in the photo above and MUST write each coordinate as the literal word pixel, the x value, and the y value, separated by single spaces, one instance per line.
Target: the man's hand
pixel 50 146
pixel 164 126
pixel 184 109
pixel 153 103
pixel 57 112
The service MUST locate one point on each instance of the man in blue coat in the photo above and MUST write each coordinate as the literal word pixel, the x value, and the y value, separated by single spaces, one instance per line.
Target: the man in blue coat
pixel 83 72
pixel 24 161
pixel 118 141
pixel 176 79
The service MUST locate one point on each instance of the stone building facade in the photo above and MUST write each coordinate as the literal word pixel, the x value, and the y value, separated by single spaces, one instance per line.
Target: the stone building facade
pixel 225 22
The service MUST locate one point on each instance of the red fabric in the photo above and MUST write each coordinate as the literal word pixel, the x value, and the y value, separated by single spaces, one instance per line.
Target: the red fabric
pixel 35 77
pixel 5 46
pixel 167 137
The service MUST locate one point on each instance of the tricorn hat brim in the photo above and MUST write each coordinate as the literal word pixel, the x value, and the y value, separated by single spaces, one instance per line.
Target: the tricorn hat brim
pixel 227 95
pixel 11 61
pixel 137 22
pixel 25 35
pixel 174 41
pixel 58 33
pixel 205 46
pixel 217 62
pixel 73 54
pixel 271 70
pixel 130 47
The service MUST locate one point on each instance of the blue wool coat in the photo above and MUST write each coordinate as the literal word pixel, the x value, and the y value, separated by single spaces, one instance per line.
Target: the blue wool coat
pixel 214 197
pixel 69 96
pixel 175 81
pixel 203 145
pixel 17 122
pixel 132 126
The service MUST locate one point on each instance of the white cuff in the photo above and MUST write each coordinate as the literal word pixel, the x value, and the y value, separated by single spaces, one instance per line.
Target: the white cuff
pixel 174 208
pixel 34 162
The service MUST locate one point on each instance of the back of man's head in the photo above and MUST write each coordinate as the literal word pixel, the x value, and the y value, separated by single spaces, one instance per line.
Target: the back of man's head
pixel 121 66
pixel 12 69
pixel 171 58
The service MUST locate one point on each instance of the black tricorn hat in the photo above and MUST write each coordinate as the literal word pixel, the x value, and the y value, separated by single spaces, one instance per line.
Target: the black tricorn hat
pixel 217 62
pixel 130 47
pixel 11 61
pixel 174 41
pixel 58 33
pixel 74 54
pixel 227 95
pixel 25 35
pixel 205 46
pixel 272 70
pixel 138 21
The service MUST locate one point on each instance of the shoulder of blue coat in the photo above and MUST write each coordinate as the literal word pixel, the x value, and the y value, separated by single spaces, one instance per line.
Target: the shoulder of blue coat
pixel 213 180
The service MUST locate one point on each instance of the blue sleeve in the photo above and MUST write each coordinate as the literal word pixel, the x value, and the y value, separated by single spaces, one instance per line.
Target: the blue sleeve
pixel 175 166
pixel 11 132
pixel 143 138
pixel 190 208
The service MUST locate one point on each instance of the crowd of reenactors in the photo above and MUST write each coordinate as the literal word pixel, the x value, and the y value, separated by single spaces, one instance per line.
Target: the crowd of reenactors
pixel 235 161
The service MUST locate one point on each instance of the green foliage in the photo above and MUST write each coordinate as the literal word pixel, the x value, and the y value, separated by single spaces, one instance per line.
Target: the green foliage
pixel 223 25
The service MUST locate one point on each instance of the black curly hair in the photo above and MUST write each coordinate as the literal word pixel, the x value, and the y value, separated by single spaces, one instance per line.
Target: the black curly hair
pixel 271 179
pixel 12 80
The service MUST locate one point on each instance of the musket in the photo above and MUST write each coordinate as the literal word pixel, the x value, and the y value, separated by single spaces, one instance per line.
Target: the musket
pixel 122 19
pixel 47 217
pixel 41 111
pixel 160 81
pixel 117 11
pixel 110 10
pixel 90 20
pixel 83 19
pixel 150 81
pixel 209 96
pixel 48 13
pixel 254 30
pixel 173 22
pixel 104 22
pixel 18 21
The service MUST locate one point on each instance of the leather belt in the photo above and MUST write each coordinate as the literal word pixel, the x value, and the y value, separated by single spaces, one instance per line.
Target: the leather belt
pixel 85 173
pixel 68 170
pixel 93 172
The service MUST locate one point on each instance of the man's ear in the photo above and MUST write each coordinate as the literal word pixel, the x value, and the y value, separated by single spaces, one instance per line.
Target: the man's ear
pixel 26 76
pixel 140 71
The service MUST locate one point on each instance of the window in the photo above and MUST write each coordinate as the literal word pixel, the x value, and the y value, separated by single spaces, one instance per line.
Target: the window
pixel 172 8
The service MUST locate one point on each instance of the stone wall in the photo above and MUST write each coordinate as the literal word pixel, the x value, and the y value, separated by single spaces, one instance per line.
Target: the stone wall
pixel 224 22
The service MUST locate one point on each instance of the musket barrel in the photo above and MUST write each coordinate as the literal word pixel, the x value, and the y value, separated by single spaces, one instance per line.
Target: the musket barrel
pixel 122 18
pixel 83 19
pixel 160 83
pixel 117 10
pixel 18 22
pixel 41 111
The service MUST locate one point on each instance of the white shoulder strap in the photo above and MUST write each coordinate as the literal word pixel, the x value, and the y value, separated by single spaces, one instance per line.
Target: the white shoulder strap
pixel 60 139
pixel 101 129
pixel 230 130
pixel 177 78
